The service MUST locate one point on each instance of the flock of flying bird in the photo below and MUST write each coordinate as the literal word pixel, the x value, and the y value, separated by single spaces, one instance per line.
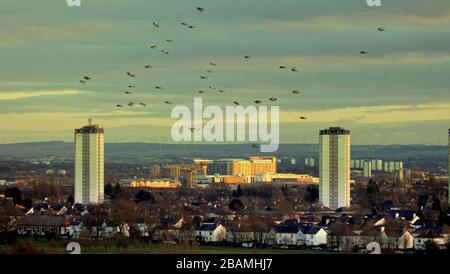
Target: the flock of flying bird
pixel 86 79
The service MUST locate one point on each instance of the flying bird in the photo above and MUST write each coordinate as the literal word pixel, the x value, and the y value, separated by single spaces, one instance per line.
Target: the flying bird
pixel 209 71
pixel 273 99
pixel 303 118
pixel 148 66
pixel 200 91
pixel 128 92
pixel 213 64
pixel 184 24
pixel 131 104
pixel 211 87
pixel 282 67
pixel 247 57
pixel 164 51
pixel 169 40
pixel 221 90
pixel 258 102
pixel 363 52
pixel 87 78
pixel 153 46
pixel 156 24
pixel 119 106
pixel 131 74
pixel 191 27
pixel 381 29
pixel 143 104
pixel 131 86
pixel 168 102
pixel 201 10
pixel 294 69
pixel 296 91
pixel 236 103
pixel 203 77
pixel 158 87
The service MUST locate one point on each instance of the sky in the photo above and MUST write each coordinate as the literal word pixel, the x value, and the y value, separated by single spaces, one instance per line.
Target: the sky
pixel 397 93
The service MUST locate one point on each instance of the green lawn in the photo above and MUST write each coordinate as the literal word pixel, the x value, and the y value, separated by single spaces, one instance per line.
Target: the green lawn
pixel 107 247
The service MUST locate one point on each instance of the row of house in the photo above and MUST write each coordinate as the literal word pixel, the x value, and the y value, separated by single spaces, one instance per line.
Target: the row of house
pixel 395 230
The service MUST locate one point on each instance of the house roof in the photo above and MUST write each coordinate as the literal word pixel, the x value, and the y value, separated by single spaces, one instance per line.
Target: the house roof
pixel 43 220
pixel 307 228
pixel 291 222
pixel 291 229
pixel 57 207
pixel 208 227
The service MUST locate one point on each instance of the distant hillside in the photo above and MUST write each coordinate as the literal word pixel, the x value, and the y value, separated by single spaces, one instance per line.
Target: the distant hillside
pixel 408 153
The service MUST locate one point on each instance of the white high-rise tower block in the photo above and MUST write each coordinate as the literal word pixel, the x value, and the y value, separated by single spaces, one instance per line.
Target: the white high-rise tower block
pixel 89 164
pixel 334 167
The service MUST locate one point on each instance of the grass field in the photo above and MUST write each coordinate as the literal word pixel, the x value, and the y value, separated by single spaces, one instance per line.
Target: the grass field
pixel 105 247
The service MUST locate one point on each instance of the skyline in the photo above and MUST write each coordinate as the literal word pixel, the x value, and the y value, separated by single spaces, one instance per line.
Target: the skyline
pixel 396 94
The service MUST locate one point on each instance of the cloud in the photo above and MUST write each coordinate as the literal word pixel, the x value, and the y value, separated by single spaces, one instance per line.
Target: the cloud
pixel 36 32
pixel 382 114
pixel 42 121
pixel 16 95
pixel 356 20
pixel 325 60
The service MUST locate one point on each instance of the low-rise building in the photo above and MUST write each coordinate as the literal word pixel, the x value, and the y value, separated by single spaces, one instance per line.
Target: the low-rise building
pixel 210 233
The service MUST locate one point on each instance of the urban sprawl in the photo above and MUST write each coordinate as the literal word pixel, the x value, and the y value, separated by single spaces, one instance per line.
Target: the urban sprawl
pixel 329 203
